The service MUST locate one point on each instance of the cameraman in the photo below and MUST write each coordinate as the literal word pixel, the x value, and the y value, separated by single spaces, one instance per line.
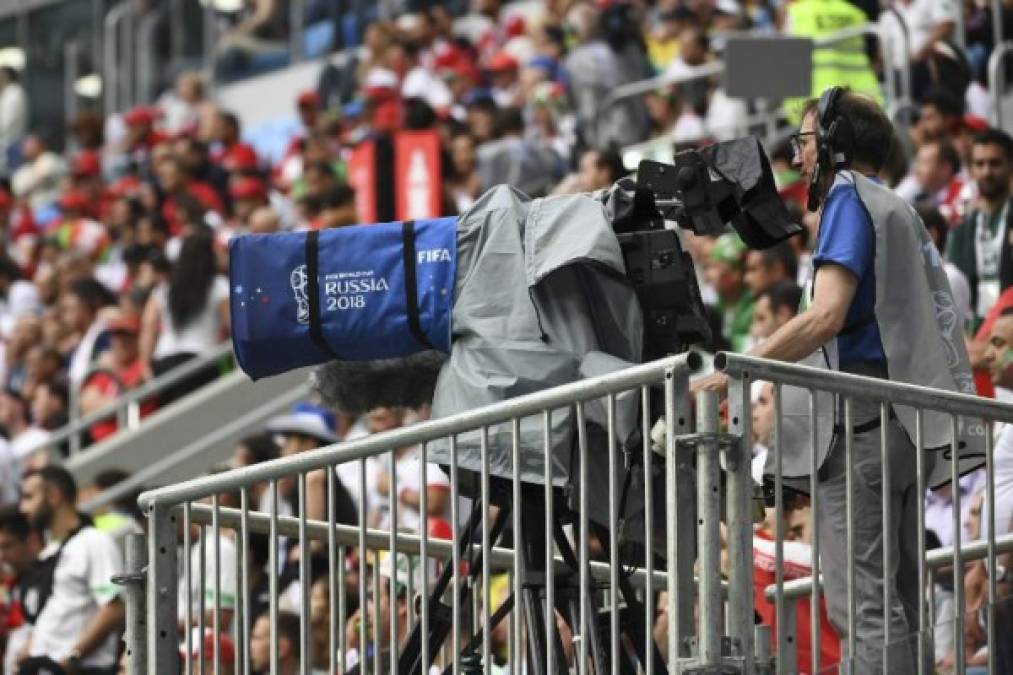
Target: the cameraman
pixel 857 300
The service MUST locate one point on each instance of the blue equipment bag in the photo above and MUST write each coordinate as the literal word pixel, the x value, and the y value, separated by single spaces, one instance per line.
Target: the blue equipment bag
pixel 353 294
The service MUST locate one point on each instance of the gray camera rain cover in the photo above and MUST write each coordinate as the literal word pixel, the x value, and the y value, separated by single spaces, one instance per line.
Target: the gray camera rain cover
pixel 540 287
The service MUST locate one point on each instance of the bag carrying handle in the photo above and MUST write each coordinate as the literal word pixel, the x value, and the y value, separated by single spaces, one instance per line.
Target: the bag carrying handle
pixel 313 292
pixel 411 290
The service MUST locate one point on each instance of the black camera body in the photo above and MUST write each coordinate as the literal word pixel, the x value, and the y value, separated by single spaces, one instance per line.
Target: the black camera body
pixel 727 184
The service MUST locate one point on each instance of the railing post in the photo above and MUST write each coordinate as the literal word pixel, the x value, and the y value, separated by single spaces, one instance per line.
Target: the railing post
pixel 146 56
pixel 708 495
pixel 132 581
pixel 163 579
pixel 997 36
pixel 790 651
pixel 739 518
pixel 209 37
pixel 111 56
pixel 680 514
pixel 133 415
pixel 71 71
pixel 296 19
pixel 763 660
pixel 996 79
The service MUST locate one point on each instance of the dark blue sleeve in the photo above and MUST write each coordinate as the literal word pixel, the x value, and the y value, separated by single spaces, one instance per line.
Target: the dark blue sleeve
pixel 846 235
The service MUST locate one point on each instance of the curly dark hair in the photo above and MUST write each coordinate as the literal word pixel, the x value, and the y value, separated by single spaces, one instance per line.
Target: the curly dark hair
pixel 191 279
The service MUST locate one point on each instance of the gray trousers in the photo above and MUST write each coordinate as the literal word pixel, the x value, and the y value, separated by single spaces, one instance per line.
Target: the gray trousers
pixel 869 538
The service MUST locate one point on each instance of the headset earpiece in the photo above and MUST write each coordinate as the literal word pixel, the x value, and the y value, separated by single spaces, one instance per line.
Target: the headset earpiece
pixel 834 138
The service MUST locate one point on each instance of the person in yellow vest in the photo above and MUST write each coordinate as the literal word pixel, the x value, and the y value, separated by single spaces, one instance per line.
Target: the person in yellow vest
pixel 843 64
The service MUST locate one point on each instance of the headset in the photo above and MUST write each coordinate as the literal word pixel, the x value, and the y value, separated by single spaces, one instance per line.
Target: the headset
pixel 835 138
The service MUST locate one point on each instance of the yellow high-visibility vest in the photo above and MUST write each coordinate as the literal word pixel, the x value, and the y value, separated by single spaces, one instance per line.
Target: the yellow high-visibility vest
pixel 844 64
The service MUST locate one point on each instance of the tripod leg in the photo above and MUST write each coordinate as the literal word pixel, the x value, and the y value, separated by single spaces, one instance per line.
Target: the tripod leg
pixel 632 624
pixel 636 629
pixel 440 620
pixel 590 633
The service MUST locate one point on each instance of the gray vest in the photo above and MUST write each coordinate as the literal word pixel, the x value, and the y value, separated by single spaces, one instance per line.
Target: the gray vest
pixel 922 339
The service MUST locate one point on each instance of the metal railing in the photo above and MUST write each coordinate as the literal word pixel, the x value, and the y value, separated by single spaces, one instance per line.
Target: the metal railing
pixel 601 560
pixel 450 613
pixel 127 406
pixel 148 68
pixel 935 560
pixel 117 55
pixel 847 390
pixel 896 101
pixel 151 475
pixel 997 79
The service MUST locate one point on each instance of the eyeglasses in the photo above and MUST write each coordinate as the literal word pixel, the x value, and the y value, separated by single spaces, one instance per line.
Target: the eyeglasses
pixel 796 140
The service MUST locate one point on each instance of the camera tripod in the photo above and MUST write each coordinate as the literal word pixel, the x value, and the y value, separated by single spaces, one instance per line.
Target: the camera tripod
pixel 533 592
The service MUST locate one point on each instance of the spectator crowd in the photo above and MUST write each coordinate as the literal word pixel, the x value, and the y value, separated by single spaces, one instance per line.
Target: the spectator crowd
pixel 115 251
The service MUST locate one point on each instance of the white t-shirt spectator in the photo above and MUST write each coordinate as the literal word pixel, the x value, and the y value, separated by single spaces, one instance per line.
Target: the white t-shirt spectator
pixel 961 292
pixel 85 352
pixel 921 18
pixel 40 181
pixel 228 586
pixel 939 509
pixel 408 470
pixel 1003 486
pixel 13 117
pixel 202 332
pixel 28 441
pixel 349 473
pixel 22 300
pixel 82 584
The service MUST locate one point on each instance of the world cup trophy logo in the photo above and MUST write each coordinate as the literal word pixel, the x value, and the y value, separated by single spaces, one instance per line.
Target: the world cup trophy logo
pixel 299 281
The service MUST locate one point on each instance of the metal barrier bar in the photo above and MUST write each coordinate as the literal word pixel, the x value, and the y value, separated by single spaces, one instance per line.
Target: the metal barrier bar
pixel 920 515
pixel 188 588
pixel 111 58
pixel 779 608
pixel 80 424
pixel 148 71
pixel 296 23
pixel 245 617
pixel 132 580
pixel 216 611
pixel 905 68
pixel 997 33
pixel 849 450
pixel 814 601
pixel 483 557
pixel 997 79
pixel 151 474
pixel 648 460
pixel 210 35
pixel 739 488
pixel 958 563
pixel 177 40
pixel 870 389
pixel 708 537
pixel 71 71
pixel 935 559
pixel 741 370
pixel 163 642
pixel 506 411
pixel 990 541
pixel 959 32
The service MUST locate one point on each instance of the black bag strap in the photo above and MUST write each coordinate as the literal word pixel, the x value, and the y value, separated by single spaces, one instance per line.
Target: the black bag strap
pixel 313 291
pixel 411 290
